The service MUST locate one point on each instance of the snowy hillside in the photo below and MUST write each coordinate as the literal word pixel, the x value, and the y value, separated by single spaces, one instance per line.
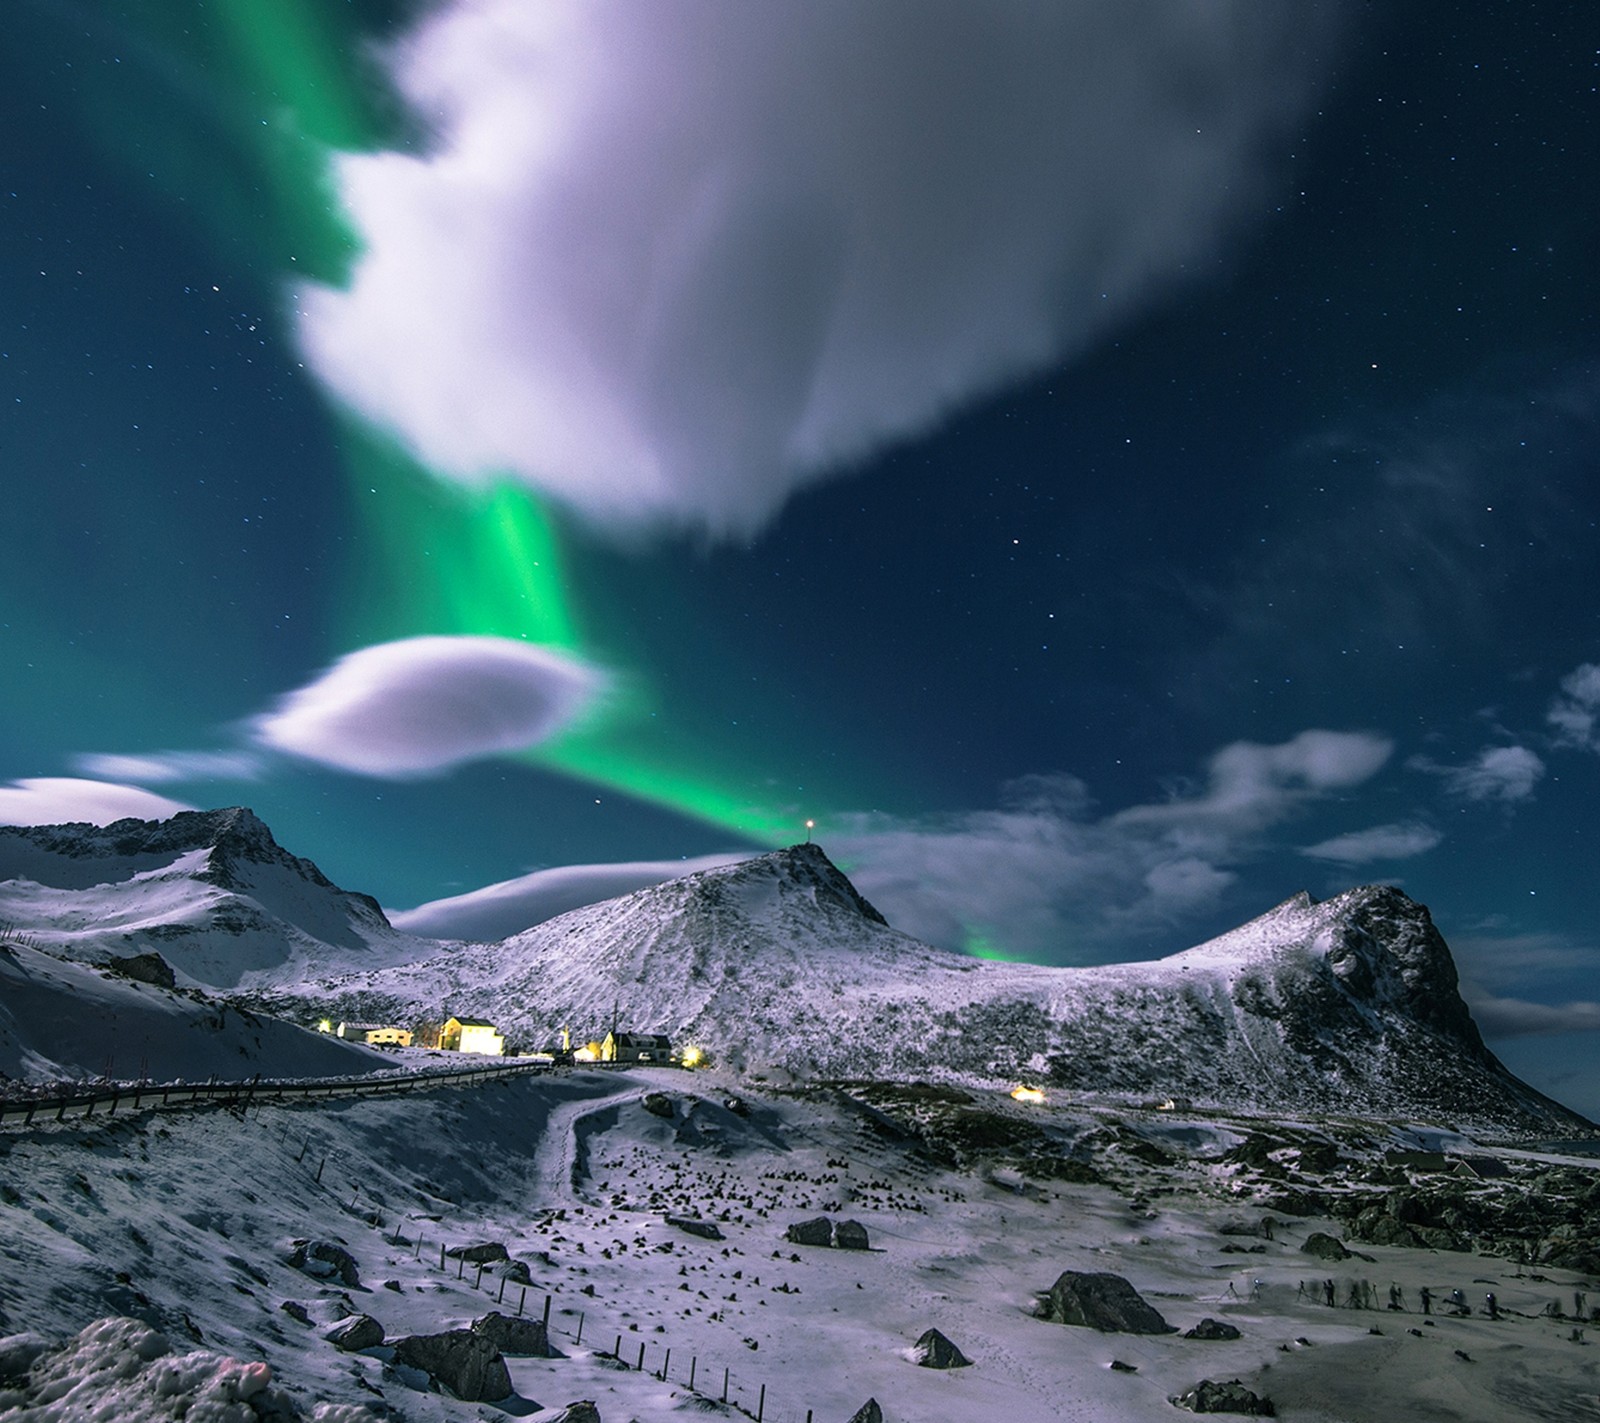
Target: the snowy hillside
pixel 210 891
pixel 61 1020
pixel 1347 1005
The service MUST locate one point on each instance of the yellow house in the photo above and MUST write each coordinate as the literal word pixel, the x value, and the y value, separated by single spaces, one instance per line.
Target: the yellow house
pixel 375 1034
pixel 471 1035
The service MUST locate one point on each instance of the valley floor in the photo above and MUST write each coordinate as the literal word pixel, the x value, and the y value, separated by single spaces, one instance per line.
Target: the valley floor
pixel 186 1220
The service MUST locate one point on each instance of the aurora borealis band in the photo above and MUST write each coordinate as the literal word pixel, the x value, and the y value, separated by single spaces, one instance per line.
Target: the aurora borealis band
pixel 1110 467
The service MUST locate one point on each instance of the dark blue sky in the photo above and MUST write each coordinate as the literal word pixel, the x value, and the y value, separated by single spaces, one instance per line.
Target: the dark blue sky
pixel 1266 562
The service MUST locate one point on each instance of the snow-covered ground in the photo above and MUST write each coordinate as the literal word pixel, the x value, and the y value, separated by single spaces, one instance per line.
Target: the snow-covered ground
pixel 185 1220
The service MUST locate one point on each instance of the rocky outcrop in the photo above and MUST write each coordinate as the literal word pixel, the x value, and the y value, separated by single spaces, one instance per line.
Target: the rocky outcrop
pixel 850 1235
pixel 324 1260
pixel 354 1333
pixel 934 1351
pixel 1229 1397
pixel 810 1232
pixel 466 1363
pixel 1322 1246
pixel 528 1338
pixel 486 1253
pixel 1100 1300
pixel 869 1412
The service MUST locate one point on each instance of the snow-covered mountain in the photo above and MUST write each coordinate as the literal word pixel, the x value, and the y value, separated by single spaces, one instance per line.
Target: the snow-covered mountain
pixel 1349 1005
pixel 210 891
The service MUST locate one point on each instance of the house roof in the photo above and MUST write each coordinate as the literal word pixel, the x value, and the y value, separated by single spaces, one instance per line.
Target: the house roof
pixel 472 1022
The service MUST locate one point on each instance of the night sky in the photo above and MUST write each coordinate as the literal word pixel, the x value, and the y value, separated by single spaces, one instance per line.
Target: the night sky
pixel 1111 467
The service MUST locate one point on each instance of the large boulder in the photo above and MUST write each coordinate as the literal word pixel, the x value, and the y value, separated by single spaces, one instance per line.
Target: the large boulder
pixel 357 1332
pixel 324 1260
pixel 660 1105
pixel 810 1232
pixel 486 1253
pixel 582 1411
pixel 511 1335
pixel 695 1225
pixel 1209 1328
pixel 1229 1397
pixel 850 1235
pixel 464 1362
pixel 869 1412
pixel 144 968
pixel 934 1351
pixel 1325 1247
pixel 1103 1301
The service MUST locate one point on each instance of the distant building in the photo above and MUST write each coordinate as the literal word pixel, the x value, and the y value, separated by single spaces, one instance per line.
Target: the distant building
pixel 636 1047
pixel 471 1035
pixel 375 1034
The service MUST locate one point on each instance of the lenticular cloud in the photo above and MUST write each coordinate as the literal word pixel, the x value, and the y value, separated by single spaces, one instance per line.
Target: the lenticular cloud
pixel 424 704
pixel 671 262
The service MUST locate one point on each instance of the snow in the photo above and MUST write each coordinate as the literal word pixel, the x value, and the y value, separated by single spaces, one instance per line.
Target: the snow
pixel 183 1221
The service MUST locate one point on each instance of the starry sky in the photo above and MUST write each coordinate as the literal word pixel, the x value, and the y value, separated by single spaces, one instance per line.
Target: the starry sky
pixel 1109 467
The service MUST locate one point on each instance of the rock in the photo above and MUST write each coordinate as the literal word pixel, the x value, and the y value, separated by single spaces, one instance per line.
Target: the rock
pixel 850 1235
pixel 740 1108
pixel 869 1412
pixel 1209 1328
pixel 511 1335
pixel 1118 1367
pixel 1324 1246
pixel 934 1351
pixel 659 1104
pixel 1229 1397
pixel 515 1272
pixel 583 1411
pixel 1100 1301
pixel 144 968
pixel 694 1225
pixel 296 1311
pixel 324 1260
pixel 464 1362
pixel 359 1331
pixel 810 1232
pixel 484 1254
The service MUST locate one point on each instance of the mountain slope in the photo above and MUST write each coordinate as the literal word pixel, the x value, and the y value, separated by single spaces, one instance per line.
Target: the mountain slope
pixel 1349 1005
pixel 211 891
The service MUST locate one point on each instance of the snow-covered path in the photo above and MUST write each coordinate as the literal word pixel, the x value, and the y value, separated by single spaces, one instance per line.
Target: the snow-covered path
pixel 555 1182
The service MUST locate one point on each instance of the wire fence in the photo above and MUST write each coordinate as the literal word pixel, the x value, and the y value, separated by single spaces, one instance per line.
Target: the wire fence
pixel 84 1105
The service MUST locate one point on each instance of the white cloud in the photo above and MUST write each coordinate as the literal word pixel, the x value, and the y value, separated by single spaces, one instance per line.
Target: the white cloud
pixel 1575 712
pixel 1504 773
pixel 500 910
pixel 672 262
pixel 1381 842
pixel 1042 877
pixel 423 704
pixel 163 767
pixel 64 800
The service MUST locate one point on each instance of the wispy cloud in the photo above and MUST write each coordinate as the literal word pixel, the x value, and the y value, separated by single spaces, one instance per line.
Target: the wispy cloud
pixel 65 800
pixel 1046 878
pixel 1576 710
pixel 499 910
pixel 165 767
pixel 424 704
pixel 1517 1017
pixel 1497 773
pixel 671 262
pixel 1380 842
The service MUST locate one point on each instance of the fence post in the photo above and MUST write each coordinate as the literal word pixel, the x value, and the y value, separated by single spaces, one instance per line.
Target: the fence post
pixel 761 1404
pixel 724 1385
pixel 639 1367
pixel 666 1366
pixel 417 1253
pixel 502 1293
pixel 441 1257
pixel 616 1353
pixel 547 1314
pixel 579 1339
pixel 522 1300
pixel 694 1359
pixel 461 1266
pixel 320 1165
pixel 478 1283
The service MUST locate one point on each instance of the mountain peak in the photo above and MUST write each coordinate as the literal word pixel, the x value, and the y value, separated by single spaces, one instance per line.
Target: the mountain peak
pixel 806 867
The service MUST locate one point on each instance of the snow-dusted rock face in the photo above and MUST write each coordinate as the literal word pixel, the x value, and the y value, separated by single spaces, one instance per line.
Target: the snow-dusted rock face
pixel 210 891
pixel 1349 1005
